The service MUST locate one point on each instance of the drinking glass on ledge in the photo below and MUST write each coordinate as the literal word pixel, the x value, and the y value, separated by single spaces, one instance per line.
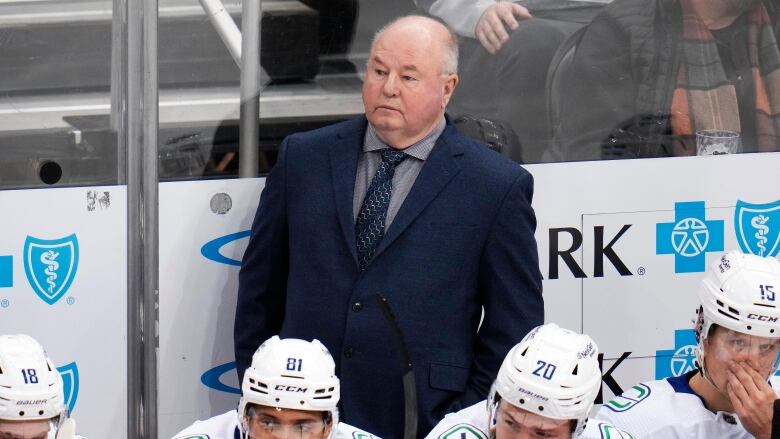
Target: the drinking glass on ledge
pixel 717 142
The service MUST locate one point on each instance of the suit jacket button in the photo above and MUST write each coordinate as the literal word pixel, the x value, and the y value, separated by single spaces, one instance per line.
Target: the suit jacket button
pixel 348 352
pixel 357 306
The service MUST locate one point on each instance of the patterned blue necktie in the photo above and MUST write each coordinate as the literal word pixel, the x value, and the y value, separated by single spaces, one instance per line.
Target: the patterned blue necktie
pixel 370 224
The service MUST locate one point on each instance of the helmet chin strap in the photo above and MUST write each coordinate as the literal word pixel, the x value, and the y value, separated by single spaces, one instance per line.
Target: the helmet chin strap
pixel 67 429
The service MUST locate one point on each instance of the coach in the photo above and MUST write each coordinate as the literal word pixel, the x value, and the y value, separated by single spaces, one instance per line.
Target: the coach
pixel 399 203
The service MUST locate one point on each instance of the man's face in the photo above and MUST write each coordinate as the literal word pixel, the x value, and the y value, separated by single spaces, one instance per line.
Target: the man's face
pixel 38 429
pixel 515 423
pixel 725 346
pixel 405 91
pixel 270 422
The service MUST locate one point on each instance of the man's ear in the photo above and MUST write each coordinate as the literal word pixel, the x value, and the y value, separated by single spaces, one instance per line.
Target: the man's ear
pixel 450 82
pixel 328 427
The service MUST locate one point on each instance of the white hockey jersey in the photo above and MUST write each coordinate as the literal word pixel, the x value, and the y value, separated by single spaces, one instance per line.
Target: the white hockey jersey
pixel 471 423
pixel 670 409
pixel 225 426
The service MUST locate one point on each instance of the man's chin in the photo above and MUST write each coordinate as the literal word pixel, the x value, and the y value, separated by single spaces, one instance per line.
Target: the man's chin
pixel 384 123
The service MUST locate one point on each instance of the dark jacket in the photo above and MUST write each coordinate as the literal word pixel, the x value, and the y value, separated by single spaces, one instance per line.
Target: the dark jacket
pixel 462 240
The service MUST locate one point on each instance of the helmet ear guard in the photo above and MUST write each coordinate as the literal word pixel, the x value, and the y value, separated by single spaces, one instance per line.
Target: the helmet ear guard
pixel 552 372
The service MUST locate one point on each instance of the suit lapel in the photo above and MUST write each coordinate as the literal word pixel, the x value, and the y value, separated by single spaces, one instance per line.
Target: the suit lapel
pixel 440 167
pixel 343 166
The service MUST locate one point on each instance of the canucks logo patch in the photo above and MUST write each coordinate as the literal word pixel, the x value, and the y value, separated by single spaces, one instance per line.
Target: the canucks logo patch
pixel 609 431
pixel 463 431
pixel 361 435
pixel 629 398
pixel 758 227
pixel 70 384
pixel 51 265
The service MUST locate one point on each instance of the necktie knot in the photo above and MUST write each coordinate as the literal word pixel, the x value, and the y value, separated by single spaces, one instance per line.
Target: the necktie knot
pixel 393 156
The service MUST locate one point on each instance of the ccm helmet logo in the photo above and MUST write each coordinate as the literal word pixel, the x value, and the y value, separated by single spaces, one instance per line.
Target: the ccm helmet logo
pixel 761 318
pixel 291 388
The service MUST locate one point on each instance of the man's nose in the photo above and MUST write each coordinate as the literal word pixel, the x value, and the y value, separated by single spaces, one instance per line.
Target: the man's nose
pixel 750 354
pixel 287 432
pixel 390 87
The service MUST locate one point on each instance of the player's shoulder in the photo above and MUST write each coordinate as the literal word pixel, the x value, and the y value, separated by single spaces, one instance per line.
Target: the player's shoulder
pixel 217 427
pixel 651 406
pixel 346 431
pixel 596 429
pixel 468 423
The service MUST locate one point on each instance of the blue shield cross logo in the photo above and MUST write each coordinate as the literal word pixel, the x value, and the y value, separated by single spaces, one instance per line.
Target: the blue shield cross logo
pixel 758 227
pixel 51 265
pixel 70 384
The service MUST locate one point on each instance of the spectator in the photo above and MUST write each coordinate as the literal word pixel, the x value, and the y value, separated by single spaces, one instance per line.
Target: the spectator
pixel 504 58
pixel 650 73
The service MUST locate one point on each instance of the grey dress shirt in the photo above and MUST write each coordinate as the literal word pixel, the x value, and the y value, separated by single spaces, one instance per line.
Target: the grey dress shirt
pixel 405 173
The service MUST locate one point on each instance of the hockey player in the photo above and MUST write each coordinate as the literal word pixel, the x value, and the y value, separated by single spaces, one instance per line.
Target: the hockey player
pixel 732 391
pixel 32 403
pixel 544 389
pixel 290 391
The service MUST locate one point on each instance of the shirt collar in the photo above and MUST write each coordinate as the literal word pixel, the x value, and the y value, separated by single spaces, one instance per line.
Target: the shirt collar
pixel 420 150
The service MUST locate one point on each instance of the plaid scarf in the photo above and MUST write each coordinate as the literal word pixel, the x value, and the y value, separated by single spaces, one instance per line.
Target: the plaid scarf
pixel 705 99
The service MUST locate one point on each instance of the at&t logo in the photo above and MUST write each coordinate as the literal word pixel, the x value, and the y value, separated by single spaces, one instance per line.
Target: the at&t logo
pixel 213 378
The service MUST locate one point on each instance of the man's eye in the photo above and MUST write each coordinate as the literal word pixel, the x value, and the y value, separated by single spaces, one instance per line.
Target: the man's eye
pixel 510 424
pixel 380 72
pixel 738 342
pixel 409 78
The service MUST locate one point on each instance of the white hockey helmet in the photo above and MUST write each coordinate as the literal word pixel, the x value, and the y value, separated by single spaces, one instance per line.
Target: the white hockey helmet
pixel 292 374
pixel 30 386
pixel 553 372
pixel 740 292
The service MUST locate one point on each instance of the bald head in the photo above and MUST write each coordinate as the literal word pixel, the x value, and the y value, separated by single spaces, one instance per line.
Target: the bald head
pixel 428 32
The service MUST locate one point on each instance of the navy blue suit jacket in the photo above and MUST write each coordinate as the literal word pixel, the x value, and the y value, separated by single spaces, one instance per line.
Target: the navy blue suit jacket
pixel 462 240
